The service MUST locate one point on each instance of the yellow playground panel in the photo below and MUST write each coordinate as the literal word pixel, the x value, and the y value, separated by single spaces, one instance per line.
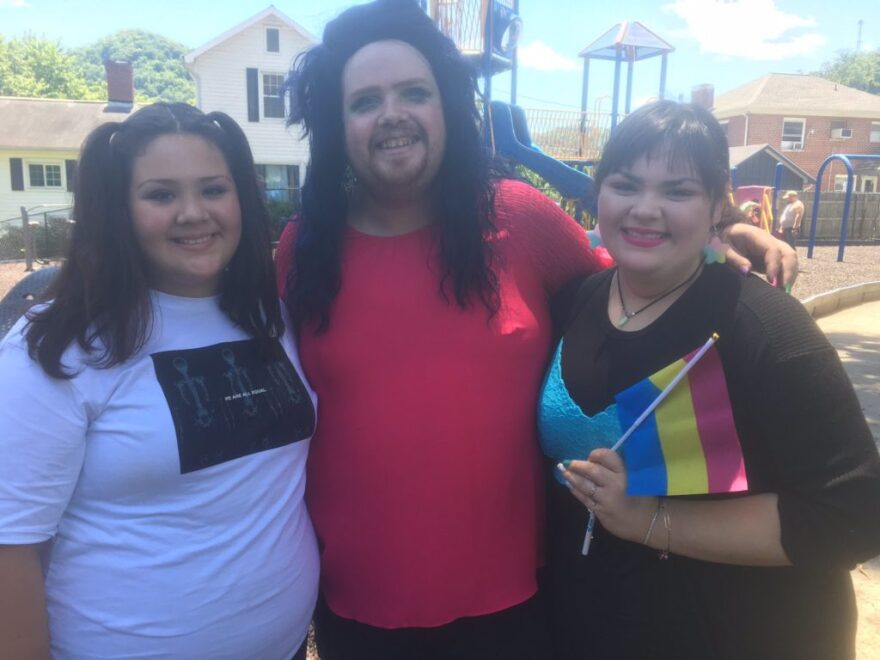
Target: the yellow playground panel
pixel 464 21
pixel 759 197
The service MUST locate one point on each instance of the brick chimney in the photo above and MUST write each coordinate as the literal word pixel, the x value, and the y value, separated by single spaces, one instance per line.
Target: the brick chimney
pixel 703 96
pixel 120 86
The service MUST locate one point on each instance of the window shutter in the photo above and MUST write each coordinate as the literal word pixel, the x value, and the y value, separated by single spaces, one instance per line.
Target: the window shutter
pixel 253 99
pixel 70 172
pixel 17 171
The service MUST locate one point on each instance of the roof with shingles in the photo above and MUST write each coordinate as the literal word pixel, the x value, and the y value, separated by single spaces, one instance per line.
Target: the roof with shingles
pixel 51 124
pixel 797 95
pixel 739 155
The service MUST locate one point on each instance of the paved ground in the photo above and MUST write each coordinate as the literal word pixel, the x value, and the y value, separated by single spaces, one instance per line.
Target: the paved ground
pixel 855 333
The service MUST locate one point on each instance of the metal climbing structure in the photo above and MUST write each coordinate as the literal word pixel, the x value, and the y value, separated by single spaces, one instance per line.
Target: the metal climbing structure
pixel 549 142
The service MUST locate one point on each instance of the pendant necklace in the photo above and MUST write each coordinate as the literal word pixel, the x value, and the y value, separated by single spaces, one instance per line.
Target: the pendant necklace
pixel 627 315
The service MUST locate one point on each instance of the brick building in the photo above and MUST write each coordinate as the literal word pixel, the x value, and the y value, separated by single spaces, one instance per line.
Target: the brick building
pixel 807 119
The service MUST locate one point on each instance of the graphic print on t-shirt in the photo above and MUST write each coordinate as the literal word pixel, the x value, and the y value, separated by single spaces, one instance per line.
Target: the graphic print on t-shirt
pixel 230 400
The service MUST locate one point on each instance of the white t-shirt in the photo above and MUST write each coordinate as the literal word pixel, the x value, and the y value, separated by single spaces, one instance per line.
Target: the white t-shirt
pixel 171 487
pixel 789 214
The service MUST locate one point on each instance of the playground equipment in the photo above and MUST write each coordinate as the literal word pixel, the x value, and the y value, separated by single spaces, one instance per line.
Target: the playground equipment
pixel 630 41
pixel 846 159
pixel 762 196
pixel 513 141
pixel 487 31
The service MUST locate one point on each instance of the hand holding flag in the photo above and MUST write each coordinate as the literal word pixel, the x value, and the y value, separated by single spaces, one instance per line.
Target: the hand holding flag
pixel 682 439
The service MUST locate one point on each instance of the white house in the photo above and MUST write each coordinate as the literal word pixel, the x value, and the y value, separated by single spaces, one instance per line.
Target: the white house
pixel 40 141
pixel 242 72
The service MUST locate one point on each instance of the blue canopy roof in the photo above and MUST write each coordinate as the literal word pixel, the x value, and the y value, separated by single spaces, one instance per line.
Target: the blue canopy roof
pixel 632 38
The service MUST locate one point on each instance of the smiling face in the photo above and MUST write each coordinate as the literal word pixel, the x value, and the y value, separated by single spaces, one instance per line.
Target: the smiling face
pixel 185 212
pixel 654 219
pixel 395 134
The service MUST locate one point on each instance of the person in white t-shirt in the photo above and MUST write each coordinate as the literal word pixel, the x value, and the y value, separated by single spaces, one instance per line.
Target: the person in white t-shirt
pixel 155 418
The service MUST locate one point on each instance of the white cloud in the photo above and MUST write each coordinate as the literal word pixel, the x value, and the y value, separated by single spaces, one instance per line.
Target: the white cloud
pixel 538 55
pixel 13 4
pixel 749 29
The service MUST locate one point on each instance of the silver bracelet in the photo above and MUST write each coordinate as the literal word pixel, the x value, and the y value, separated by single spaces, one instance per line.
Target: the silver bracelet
pixel 653 521
pixel 667 523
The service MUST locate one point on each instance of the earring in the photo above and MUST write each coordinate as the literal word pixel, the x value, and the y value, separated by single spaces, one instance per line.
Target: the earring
pixel 349 179
pixel 715 250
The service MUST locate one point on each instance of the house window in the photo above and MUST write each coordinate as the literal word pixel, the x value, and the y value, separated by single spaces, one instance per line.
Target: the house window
pixel 272 41
pixel 868 184
pixel 44 175
pixel 273 101
pixel 280 182
pixel 839 130
pixel 875 131
pixel 793 134
pixel 840 182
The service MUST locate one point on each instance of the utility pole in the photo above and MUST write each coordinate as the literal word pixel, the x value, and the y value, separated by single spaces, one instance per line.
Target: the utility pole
pixel 859 40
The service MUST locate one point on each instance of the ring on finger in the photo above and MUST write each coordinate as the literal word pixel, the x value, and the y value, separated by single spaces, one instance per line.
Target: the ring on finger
pixel 593 491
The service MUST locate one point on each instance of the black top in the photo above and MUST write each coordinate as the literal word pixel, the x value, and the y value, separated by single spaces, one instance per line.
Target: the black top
pixel 803 436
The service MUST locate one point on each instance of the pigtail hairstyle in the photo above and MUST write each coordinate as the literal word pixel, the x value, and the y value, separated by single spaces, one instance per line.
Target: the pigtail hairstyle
pixel 462 192
pixel 100 299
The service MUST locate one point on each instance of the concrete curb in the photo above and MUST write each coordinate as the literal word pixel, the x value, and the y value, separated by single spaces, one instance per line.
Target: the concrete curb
pixel 827 303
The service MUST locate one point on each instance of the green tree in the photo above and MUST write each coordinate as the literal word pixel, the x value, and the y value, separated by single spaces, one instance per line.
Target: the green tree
pixel 159 74
pixel 858 70
pixel 36 67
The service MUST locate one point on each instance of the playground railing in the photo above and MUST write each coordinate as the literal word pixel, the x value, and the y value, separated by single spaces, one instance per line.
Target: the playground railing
pixel 461 21
pixel 569 135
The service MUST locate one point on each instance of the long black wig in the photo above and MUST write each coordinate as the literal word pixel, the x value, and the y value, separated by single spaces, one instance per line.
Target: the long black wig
pixel 461 194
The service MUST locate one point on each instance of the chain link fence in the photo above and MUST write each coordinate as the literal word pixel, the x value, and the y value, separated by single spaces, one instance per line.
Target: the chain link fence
pixel 48 232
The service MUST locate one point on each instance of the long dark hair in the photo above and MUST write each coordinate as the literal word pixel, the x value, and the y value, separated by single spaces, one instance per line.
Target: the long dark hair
pixel 461 196
pixel 101 296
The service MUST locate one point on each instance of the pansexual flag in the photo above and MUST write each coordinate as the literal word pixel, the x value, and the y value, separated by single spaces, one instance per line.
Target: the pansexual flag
pixel 689 444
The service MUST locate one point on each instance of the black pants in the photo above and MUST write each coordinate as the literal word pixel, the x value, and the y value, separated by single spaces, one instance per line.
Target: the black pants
pixel 789 237
pixel 517 633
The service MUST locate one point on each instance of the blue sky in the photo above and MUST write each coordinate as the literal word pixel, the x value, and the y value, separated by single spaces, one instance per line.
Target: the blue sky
pixel 723 42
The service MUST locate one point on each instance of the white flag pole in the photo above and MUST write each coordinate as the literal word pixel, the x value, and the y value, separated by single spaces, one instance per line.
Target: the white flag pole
pixel 591 523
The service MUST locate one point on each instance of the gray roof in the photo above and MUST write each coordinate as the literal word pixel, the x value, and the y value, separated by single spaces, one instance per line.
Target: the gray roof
pixel 797 95
pixel 739 155
pixel 50 123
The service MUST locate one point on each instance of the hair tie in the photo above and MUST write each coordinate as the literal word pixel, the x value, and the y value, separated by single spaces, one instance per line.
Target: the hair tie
pixel 117 129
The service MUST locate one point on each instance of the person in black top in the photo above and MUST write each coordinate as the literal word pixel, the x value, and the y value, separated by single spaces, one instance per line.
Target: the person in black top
pixel 762 573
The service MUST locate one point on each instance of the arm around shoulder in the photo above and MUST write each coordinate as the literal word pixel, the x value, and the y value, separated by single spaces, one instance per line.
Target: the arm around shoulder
pixel 556 244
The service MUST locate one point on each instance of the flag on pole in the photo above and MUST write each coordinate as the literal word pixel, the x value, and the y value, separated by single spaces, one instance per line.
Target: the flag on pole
pixel 688 445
